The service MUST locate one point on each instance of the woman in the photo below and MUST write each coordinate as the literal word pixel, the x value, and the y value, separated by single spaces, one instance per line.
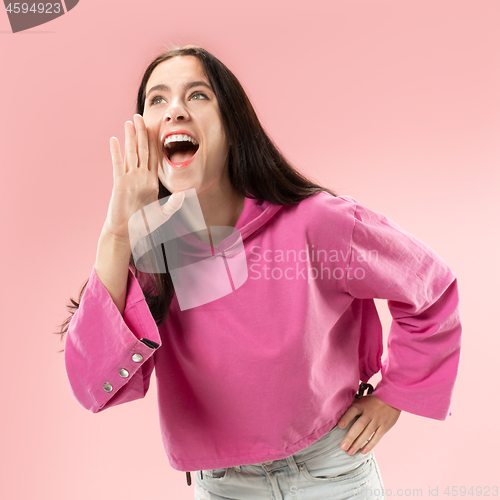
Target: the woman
pixel 257 389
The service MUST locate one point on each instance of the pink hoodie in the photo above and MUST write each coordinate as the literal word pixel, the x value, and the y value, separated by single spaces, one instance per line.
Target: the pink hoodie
pixel 268 369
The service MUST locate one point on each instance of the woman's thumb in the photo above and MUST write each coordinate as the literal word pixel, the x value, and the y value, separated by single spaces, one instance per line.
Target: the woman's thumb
pixel 174 203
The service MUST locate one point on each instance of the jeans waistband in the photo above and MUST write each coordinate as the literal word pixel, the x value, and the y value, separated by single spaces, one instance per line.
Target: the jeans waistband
pixel 327 442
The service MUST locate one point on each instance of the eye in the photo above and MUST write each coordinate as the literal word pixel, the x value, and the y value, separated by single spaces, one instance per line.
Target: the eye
pixel 155 100
pixel 198 95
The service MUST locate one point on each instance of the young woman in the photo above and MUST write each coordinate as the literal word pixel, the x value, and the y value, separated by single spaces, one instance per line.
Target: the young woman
pixel 258 389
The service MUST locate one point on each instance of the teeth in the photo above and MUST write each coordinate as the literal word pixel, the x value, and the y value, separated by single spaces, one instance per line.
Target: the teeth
pixel 178 138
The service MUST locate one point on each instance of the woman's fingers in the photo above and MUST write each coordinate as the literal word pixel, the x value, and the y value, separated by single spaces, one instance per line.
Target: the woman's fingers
pixel 174 203
pixel 151 217
pixel 363 436
pixel 140 147
pixel 373 441
pixel 116 157
pixel 131 158
pixel 157 214
pixel 140 153
pixel 153 154
pixel 351 412
pixel 356 430
pixel 376 418
pixel 142 141
pixel 135 176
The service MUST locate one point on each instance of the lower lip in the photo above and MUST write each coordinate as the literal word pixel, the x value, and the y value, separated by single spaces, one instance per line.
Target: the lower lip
pixel 184 164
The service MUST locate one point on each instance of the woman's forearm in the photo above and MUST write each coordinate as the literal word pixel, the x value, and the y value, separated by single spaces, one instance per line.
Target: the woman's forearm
pixel 111 265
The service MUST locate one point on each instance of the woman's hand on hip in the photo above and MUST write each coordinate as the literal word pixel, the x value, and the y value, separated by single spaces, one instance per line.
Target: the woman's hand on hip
pixel 375 419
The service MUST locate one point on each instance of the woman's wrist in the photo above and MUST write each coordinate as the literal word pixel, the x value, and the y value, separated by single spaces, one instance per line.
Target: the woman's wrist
pixel 117 235
pixel 111 265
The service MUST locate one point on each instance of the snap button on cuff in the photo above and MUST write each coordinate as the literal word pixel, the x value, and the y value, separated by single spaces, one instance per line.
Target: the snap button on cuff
pixel 123 373
pixel 107 387
pixel 137 358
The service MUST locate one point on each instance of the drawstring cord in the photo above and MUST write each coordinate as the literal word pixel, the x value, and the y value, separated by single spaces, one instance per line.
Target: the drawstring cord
pixel 362 389
pixel 188 477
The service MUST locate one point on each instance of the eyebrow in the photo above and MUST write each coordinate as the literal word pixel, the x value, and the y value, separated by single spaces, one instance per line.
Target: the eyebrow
pixel 188 86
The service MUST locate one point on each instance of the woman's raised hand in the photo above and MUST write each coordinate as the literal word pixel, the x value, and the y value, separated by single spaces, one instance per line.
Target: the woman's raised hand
pixel 135 180
pixel 135 176
pixel 135 187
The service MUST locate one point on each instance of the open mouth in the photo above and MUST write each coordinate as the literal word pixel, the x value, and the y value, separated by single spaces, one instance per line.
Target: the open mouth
pixel 180 148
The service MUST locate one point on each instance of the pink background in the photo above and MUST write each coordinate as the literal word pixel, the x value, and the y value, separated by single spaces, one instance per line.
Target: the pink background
pixel 394 102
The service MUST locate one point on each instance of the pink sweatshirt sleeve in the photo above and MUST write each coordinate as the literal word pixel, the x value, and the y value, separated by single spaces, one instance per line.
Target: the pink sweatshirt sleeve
pixel 419 372
pixel 106 361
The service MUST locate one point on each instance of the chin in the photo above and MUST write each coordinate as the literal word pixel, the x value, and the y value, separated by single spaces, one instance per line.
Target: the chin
pixel 178 186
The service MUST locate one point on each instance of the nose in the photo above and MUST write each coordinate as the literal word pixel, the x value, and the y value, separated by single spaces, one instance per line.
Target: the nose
pixel 175 112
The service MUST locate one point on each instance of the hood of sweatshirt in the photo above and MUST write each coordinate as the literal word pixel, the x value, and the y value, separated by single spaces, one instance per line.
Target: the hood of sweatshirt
pixel 194 246
pixel 254 215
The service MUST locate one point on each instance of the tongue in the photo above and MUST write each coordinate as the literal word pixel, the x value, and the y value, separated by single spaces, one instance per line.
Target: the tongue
pixel 180 156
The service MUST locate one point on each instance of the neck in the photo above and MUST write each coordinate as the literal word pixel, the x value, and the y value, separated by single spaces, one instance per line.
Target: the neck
pixel 221 207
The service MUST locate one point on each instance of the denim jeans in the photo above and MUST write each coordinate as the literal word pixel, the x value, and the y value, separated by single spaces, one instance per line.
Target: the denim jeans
pixel 319 472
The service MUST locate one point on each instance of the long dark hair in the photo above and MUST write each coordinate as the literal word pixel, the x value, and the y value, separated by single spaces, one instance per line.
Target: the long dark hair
pixel 257 169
